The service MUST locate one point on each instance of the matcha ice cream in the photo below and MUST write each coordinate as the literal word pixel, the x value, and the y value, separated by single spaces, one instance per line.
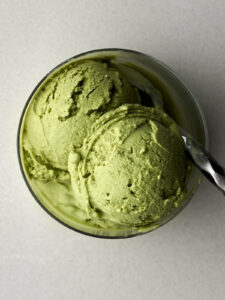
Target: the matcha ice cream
pixel 65 107
pixel 131 169
pixel 95 157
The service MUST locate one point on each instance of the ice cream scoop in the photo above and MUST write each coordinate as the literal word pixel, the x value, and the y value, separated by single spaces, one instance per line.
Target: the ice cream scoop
pixel 63 110
pixel 132 169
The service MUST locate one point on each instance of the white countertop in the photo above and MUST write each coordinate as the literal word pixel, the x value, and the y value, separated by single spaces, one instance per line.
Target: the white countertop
pixel 40 258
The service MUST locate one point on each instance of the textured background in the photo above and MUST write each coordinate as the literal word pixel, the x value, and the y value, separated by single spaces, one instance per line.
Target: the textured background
pixel 41 259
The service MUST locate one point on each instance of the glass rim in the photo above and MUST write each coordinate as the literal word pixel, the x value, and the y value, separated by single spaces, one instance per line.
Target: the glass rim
pixel 195 102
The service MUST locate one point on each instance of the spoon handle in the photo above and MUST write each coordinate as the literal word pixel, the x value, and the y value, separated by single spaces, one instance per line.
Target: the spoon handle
pixel 205 162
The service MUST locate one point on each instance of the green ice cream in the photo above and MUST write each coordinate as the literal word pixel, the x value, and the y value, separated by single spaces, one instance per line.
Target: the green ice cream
pixel 97 159
pixel 63 110
pixel 131 169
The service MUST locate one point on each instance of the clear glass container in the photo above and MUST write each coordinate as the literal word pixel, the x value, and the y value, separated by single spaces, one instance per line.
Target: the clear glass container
pixel 179 103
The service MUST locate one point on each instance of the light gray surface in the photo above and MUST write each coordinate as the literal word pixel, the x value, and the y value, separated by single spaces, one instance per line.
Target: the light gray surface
pixel 41 259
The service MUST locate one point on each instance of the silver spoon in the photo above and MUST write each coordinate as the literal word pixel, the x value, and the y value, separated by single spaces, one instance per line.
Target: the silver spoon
pixel 204 161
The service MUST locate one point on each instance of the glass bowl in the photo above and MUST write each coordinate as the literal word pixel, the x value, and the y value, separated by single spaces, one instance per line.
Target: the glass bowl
pixel 179 103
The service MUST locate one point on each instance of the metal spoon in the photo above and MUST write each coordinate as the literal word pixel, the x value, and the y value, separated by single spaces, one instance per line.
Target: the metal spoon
pixel 204 161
